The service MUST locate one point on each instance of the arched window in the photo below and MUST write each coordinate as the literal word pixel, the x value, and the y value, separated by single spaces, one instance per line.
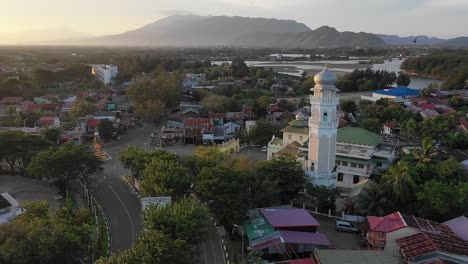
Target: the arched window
pixel 325 117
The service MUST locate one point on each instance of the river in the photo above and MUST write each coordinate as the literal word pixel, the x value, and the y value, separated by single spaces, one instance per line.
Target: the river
pixel 296 68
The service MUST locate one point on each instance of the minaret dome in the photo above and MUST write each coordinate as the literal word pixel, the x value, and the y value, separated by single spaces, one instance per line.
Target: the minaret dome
pixel 325 77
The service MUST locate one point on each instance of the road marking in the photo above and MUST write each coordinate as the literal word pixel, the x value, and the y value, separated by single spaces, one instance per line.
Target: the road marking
pixel 204 251
pixel 214 253
pixel 128 214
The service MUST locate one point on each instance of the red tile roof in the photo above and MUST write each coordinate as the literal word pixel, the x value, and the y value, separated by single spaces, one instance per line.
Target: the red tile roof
pixel 396 221
pixel 392 124
pixel 49 106
pixel 421 244
pixel 427 106
pixel 217 115
pixel 33 107
pixel 92 123
pixel 432 100
pixel 204 123
pixel 387 223
pixel 342 123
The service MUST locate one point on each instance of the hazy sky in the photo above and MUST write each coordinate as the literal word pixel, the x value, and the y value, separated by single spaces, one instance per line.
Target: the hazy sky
pixel 66 18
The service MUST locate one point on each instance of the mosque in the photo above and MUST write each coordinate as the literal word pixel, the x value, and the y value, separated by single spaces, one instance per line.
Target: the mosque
pixel 330 156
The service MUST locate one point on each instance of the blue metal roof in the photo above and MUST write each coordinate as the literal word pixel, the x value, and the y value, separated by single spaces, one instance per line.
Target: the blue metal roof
pixel 399 91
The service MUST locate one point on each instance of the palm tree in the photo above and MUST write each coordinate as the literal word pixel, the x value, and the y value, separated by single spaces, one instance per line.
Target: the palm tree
pixel 426 153
pixel 398 184
pixel 409 129
pixel 373 202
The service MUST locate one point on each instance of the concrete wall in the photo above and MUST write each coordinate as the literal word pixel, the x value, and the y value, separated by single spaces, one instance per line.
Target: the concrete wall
pixel 391 247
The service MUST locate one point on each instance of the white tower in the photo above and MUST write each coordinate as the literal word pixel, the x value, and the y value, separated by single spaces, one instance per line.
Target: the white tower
pixel 323 124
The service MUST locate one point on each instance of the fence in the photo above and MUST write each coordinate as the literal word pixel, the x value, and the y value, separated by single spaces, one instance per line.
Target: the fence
pixel 102 244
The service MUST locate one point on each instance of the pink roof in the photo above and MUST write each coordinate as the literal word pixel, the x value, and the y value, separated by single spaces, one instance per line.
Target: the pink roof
pixel 26 103
pixel 46 119
pixel 387 223
pixel 430 113
pixel 416 100
pixel 309 238
pixel 459 226
pixel 68 105
pixel 289 217
pixel 12 99
pixel 302 261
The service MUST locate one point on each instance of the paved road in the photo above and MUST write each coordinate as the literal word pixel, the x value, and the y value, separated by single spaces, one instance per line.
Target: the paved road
pixel 340 240
pixel 211 251
pixel 121 206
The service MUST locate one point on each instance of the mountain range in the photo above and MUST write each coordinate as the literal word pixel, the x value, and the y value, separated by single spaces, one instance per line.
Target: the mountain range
pixel 213 31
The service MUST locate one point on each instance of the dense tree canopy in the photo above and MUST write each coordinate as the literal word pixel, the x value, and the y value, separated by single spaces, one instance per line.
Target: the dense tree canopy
pixel 38 236
pixel 154 95
pixel 263 130
pixel 61 165
pixel 106 129
pixel 403 80
pixel 17 149
pixel 83 108
pixel 165 178
pixel 287 173
pixel 451 66
pixel 366 80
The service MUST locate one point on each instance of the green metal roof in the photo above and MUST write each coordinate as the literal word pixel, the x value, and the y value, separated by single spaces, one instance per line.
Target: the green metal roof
pixel 298 127
pixel 174 123
pixel 297 130
pixel 299 123
pixel 358 136
pixel 289 150
pixel 257 228
pixel 355 160
pixel 195 110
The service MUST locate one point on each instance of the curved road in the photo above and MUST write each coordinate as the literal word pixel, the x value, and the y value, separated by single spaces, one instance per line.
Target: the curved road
pixel 121 206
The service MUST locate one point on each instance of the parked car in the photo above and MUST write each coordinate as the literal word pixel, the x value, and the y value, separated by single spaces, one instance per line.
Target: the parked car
pixel 343 226
pixel 264 149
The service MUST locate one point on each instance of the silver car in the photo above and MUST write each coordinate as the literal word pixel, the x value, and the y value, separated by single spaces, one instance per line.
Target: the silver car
pixel 343 226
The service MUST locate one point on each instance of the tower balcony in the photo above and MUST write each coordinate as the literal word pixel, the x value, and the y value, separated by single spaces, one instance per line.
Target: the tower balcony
pixel 323 124
pixel 324 101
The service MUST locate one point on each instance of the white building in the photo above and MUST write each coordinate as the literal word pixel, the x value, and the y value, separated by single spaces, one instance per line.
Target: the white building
pixel 104 72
